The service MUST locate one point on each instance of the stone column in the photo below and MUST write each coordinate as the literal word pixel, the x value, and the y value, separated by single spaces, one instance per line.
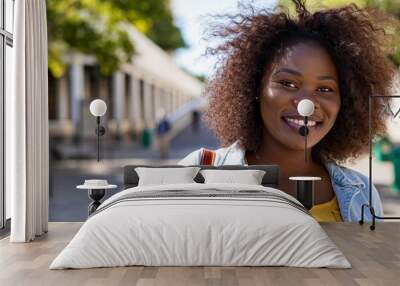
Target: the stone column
pixel 118 100
pixel 147 105
pixel 165 104
pixel 77 90
pixel 134 104
pixel 158 101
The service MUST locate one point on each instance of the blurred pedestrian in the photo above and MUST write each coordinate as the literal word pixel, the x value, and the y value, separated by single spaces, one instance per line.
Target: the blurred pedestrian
pixel 195 120
pixel 163 127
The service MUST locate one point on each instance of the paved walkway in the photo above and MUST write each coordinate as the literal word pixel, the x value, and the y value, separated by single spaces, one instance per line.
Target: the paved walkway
pixel 181 145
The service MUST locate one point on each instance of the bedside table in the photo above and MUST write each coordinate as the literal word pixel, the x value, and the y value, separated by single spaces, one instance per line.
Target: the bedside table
pixel 95 193
pixel 305 190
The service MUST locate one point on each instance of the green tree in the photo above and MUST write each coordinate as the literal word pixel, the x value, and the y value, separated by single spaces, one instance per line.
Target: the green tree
pixel 391 7
pixel 98 28
pixel 153 18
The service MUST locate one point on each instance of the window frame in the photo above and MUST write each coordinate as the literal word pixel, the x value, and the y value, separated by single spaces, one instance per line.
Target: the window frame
pixel 6 39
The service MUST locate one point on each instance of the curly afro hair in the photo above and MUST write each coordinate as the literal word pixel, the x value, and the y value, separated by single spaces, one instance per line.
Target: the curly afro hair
pixel 358 42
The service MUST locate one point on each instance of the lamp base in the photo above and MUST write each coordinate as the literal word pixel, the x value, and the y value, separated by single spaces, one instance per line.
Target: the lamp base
pixel 305 193
pixel 96 195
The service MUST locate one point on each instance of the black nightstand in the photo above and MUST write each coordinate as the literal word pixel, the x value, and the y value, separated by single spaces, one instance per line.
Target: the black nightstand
pixel 95 193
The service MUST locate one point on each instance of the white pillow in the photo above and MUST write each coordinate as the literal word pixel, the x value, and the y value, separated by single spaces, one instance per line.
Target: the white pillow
pixel 249 177
pixel 162 176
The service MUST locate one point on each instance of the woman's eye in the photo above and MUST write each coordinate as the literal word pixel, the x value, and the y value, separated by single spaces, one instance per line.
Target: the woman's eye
pixel 287 83
pixel 325 89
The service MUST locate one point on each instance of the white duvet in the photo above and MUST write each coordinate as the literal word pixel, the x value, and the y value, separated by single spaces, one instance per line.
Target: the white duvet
pixel 183 231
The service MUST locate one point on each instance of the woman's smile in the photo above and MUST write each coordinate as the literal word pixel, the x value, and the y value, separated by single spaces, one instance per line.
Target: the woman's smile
pixel 294 121
pixel 294 124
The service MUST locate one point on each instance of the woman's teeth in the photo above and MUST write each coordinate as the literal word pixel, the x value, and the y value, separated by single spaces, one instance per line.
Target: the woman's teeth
pixel 301 122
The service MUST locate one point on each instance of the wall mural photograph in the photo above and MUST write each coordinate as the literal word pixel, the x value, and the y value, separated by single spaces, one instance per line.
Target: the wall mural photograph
pixel 182 142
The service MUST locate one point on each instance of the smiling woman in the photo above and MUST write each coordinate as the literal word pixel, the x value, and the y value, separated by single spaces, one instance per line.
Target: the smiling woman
pixel 269 62
pixel 303 70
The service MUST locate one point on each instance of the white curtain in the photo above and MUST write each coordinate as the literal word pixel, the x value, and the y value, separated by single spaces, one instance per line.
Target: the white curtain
pixel 27 124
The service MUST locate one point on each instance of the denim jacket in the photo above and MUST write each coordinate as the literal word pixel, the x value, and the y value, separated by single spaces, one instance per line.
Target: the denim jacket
pixel 351 187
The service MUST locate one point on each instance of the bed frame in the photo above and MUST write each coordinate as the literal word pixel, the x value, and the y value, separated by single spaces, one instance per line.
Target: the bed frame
pixel 270 179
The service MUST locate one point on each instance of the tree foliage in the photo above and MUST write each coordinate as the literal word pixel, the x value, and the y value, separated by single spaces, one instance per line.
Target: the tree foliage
pixel 154 19
pixel 97 27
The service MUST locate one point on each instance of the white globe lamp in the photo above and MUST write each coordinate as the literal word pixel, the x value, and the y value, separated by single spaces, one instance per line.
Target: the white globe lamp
pixel 98 107
pixel 305 107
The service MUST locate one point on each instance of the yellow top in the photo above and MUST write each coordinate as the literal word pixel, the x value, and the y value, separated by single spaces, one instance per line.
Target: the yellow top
pixel 327 212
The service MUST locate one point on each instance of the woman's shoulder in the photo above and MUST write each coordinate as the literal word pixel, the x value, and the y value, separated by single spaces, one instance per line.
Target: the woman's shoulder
pixel 231 154
pixel 352 190
pixel 345 175
pixel 195 157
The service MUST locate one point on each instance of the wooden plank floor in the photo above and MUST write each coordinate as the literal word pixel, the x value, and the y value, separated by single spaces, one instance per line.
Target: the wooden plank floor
pixel 374 255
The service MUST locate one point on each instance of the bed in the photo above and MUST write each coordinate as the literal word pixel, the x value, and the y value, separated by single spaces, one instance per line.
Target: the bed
pixel 201 224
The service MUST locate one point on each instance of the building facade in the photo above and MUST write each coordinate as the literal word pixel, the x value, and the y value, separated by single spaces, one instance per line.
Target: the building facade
pixel 134 94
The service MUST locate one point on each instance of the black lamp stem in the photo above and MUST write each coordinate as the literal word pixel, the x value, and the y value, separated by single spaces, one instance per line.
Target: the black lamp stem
pixel 370 148
pixel 305 138
pixel 98 138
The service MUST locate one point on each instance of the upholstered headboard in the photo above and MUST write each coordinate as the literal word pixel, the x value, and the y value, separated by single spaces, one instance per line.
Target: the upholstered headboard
pixel 270 179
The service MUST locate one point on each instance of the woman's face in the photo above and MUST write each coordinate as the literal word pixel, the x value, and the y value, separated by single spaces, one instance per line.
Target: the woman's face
pixel 304 71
